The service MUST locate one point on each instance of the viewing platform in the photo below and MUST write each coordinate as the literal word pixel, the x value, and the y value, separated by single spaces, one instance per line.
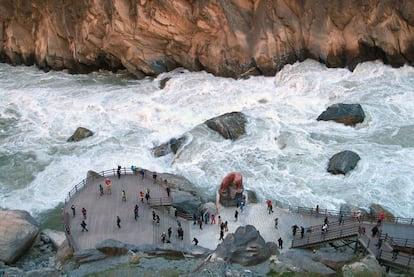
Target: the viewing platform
pixel 102 211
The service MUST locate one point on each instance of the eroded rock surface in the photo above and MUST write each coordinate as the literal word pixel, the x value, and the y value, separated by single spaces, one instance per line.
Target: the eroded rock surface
pixel 226 38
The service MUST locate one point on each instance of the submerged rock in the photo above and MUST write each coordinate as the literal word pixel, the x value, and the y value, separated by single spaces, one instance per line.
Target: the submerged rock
pixel 229 125
pixel 343 162
pixel 80 134
pixel 348 114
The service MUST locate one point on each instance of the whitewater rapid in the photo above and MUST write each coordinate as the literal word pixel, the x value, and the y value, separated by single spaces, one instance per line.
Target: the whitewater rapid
pixel 283 156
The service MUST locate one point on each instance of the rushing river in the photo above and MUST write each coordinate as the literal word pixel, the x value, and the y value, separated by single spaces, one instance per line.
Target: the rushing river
pixel 283 156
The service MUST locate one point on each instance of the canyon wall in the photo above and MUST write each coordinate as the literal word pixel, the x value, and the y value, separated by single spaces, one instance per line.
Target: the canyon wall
pixel 225 37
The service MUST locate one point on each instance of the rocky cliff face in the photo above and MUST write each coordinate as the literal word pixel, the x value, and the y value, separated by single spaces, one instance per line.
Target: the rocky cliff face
pixel 225 37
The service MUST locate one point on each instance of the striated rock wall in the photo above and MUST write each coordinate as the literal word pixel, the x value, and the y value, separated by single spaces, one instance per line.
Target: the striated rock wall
pixel 224 37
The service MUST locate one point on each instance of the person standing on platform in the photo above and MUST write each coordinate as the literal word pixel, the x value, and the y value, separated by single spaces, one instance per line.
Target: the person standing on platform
pixel 100 189
pixel 280 242
pixel 142 172
pixel 118 172
pixel 195 240
pixel 213 219
pixel 141 196
pixel 236 215
pixel 118 221
pixel 73 210
pixel 84 212
pixel 123 195
pixel 154 177
pixel 169 232
pixel 136 208
pixel 108 186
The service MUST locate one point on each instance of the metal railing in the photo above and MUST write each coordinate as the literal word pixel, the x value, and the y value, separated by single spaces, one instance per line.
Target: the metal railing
pixel 107 173
pixel 364 216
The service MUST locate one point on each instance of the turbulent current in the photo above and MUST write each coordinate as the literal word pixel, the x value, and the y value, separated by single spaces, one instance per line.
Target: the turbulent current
pixel 283 156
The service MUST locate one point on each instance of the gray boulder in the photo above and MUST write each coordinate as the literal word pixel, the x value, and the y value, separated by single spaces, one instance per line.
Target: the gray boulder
pixel 348 114
pixel 18 230
pixel 246 247
pixel 368 266
pixel 56 237
pixel 229 125
pixel 186 202
pixel 343 162
pixel 80 134
pixel 166 148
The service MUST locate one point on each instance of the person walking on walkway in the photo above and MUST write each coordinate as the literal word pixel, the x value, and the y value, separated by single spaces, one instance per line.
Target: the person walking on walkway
pixel 280 242
pixel 317 209
pixel 213 219
pixel 195 240
pixel 395 252
pixel 168 190
pixel 294 229
pixel 163 237
pixel 84 212
pixel 147 196
pixel 236 215
pixel 136 208
pixel 276 222
pixel 226 226
pixel 142 172
pixel 302 232
pixel 100 189
pixel 118 221
pixel 341 218
pixel 141 196
pixel 221 235
pixel 200 223
pixel 123 195
pixel 73 210
pixel 83 225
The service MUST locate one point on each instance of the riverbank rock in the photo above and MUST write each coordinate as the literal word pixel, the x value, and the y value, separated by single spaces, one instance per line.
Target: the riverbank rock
pixel 348 114
pixel 368 266
pixel 80 134
pixel 343 162
pixel 229 125
pixel 56 238
pixel 166 148
pixel 18 230
pixel 246 247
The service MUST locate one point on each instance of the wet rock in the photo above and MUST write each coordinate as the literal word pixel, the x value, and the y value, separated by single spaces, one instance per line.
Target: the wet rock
pixel 186 202
pixel 80 134
pixel 163 82
pixel 229 125
pixel 246 247
pixel 343 162
pixel 348 114
pixel 169 147
pixel 18 231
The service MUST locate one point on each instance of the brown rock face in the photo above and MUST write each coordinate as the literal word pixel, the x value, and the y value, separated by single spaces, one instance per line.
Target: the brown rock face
pixel 228 38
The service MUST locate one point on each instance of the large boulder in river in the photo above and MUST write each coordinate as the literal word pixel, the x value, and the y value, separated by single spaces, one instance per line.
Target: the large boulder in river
pixel 229 125
pixel 343 162
pixel 348 114
pixel 80 134
pixel 246 247
pixel 166 148
pixel 18 230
